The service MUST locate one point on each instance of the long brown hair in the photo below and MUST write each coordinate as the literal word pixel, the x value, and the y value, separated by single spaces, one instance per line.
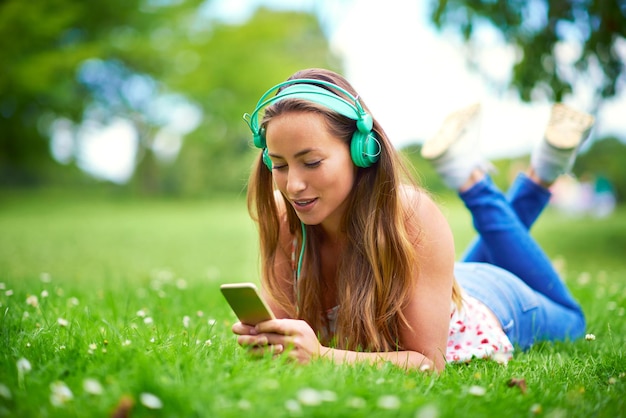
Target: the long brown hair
pixel 376 271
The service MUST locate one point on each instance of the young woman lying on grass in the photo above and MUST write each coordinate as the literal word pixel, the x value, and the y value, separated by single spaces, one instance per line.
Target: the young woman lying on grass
pixel 359 262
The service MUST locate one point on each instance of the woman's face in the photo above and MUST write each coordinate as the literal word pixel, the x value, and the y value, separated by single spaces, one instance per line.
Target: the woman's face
pixel 311 167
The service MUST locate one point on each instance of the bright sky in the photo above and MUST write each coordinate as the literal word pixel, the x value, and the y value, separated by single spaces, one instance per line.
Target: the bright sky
pixel 411 76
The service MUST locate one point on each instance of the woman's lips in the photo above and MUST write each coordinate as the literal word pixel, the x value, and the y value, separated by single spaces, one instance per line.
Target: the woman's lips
pixel 303 205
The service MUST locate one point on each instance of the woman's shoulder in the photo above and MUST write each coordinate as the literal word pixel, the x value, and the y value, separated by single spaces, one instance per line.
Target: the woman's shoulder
pixel 418 203
pixel 426 222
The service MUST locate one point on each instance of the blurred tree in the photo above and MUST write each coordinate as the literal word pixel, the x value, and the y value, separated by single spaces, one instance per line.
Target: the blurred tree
pixel 596 27
pixel 233 66
pixel 41 47
pixel 102 60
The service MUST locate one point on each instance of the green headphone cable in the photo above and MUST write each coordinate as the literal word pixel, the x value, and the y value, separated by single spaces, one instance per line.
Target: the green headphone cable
pixel 299 268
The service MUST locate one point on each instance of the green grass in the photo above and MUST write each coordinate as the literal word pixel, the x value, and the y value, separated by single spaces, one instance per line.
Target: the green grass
pixel 107 264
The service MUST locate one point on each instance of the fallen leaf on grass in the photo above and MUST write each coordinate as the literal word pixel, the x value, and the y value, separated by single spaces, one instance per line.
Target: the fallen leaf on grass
pixel 123 408
pixel 520 383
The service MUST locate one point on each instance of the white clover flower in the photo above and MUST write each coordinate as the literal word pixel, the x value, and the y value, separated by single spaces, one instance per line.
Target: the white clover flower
pixel 477 390
pixel 23 365
pixel 186 321
pixel 152 339
pixel 44 294
pixel 3 286
pixel 208 343
pixel 126 343
pixel 92 386
pixel 211 322
pixel 25 315
pixel 63 322
pixel 45 277
pixel 590 337
pixel 293 407
pixel 356 402
pixel 9 292
pixel 5 392
pixel 93 346
pixel 389 402
pixel 32 301
pixel 427 411
pixel 148 320
pixel 150 401
pixel 309 396
pixel 73 301
pixel 199 314
pixel 61 394
pixel 141 313
pixel 536 409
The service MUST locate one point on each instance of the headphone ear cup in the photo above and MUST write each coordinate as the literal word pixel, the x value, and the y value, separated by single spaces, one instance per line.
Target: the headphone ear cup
pixel 266 159
pixel 356 149
pixel 364 149
pixel 258 138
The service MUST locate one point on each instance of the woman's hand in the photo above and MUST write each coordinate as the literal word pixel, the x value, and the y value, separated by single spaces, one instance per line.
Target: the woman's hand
pixel 290 337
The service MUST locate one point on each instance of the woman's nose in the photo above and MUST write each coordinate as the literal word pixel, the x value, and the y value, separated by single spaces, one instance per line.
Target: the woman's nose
pixel 295 182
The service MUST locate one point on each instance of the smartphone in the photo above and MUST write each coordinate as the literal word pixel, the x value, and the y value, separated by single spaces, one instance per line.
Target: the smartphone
pixel 247 303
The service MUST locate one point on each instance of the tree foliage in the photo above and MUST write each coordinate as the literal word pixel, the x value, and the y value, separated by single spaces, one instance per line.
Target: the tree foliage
pixel 536 27
pixel 42 45
pixel 237 64
pixel 107 59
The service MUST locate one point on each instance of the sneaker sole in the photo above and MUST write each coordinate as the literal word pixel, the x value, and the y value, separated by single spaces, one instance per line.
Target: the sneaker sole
pixel 451 129
pixel 567 128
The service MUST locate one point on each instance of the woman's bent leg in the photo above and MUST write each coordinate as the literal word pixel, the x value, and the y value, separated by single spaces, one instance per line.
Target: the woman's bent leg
pixel 528 199
pixel 509 244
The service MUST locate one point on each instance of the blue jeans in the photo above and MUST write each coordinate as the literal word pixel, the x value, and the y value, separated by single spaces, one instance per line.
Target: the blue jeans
pixel 507 270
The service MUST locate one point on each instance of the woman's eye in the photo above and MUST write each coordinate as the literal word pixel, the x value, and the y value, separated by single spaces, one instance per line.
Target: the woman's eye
pixel 279 167
pixel 313 164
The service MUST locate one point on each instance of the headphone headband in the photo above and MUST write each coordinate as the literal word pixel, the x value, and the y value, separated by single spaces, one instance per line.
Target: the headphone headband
pixel 364 150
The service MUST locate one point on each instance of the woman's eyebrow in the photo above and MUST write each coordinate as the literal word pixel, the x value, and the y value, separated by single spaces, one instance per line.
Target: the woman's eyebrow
pixel 296 155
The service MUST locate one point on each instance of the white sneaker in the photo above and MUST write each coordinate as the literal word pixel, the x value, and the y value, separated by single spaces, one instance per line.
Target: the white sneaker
pixel 566 131
pixel 454 150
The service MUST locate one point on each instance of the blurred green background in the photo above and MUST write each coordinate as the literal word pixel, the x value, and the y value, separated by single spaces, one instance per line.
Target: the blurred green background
pixel 175 77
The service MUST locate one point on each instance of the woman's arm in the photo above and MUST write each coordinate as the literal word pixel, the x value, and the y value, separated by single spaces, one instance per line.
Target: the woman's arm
pixel 428 310
pixel 297 340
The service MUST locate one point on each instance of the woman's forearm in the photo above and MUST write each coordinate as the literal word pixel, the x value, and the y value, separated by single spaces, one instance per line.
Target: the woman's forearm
pixel 403 359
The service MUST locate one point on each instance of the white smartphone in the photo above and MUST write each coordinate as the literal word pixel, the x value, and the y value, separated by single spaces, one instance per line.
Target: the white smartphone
pixel 247 303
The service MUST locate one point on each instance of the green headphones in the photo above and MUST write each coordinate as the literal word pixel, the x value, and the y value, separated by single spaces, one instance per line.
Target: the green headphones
pixel 364 146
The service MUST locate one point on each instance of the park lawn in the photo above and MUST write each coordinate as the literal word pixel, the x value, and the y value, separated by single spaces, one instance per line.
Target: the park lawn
pixel 109 303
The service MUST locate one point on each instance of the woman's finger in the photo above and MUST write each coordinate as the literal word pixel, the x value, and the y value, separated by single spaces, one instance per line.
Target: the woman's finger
pixel 262 351
pixel 252 340
pixel 242 329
